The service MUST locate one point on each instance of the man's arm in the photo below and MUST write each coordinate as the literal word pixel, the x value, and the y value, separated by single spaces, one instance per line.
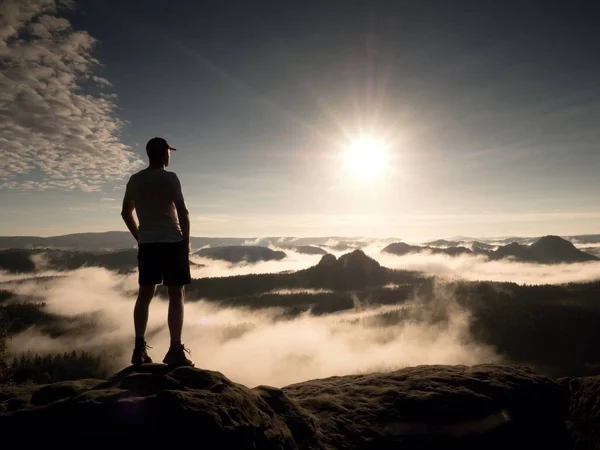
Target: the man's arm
pixel 127 215
pixel 183 214
pixel 184 219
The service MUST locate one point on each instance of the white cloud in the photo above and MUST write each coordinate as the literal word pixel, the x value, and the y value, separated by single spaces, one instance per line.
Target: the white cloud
pixel 57 129
pixel 217 268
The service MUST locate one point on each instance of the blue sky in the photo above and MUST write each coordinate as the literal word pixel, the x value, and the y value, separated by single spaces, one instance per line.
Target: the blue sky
pixel 489 111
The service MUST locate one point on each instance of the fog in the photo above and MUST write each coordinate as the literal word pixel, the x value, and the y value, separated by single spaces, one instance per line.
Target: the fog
pixel 257 347
pixel 468 267
pixel 471 267
pixel 250 347
pixel 216 268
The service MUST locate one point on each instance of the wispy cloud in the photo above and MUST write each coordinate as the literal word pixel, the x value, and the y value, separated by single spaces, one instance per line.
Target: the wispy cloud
pixel 58 129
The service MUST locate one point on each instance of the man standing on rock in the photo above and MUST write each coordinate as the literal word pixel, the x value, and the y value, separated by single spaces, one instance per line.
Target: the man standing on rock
pixel 163 238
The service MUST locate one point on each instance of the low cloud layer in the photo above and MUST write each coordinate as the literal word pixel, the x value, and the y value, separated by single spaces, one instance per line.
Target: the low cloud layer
pixel 217 268
pixel 467 267
pixel 58 126
pixel 479 268
pixel 258 347
pixel 250 347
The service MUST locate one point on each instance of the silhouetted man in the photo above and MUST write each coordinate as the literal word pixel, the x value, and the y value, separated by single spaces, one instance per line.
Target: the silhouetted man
pixel 163 238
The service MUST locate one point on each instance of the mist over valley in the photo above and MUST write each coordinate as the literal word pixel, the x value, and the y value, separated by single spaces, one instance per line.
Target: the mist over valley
pixel 269 311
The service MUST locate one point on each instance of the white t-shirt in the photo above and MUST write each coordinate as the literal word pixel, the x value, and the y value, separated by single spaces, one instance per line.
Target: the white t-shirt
pixel 154 192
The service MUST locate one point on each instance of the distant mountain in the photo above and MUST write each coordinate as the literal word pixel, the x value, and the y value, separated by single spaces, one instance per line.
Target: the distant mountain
pixel 585 238
pixel 119 240
pixel 341 246
pixel 517 239
pixel 122 240
pixel 576 239
pixel 479 247
pixel 443 243
pixel 475 246
pixel 595 251
pixel 241 253
pixel 112 240
pixel 401 248
pixel 16 261
pixel 308 250
pixel 354 270
pixel 34 260
pixel 546 250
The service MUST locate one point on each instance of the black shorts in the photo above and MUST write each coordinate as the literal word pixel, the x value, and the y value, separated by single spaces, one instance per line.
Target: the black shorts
pixel 164 263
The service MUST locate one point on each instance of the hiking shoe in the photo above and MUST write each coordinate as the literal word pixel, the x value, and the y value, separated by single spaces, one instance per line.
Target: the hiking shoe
pixel 140 355
pixel 175 357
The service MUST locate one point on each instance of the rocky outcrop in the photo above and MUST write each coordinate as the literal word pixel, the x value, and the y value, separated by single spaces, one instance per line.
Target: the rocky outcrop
pixel 438 407
pixel 485 406
pixel 354 270
pixel 155 399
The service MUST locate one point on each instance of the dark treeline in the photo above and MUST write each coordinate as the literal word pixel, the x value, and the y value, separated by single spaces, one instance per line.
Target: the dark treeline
pixel 20 316
pixel 319 303
pixel 220 288
pixel 20 260
pixel 553 328
pixel 41 369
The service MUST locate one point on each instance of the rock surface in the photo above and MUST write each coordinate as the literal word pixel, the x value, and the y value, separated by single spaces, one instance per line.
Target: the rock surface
pixel 354 270
pixel 438 407
pixel 584 412
pixel 423 407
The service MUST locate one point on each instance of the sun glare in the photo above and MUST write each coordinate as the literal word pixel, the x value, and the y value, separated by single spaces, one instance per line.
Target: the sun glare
pixel 366 158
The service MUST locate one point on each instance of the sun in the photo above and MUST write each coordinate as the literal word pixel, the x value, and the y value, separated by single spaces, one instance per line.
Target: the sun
pixel 366 158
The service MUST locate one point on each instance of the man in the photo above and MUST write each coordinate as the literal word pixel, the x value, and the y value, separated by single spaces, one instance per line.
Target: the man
pixel 163 238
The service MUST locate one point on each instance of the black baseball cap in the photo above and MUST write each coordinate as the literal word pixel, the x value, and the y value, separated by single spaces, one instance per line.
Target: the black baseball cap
pixel 156 145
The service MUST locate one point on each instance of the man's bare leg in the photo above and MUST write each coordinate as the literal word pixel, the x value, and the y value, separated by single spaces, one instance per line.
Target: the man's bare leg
pixel 140 321
pixel 140 312
pixel 176 356
pixel 175 318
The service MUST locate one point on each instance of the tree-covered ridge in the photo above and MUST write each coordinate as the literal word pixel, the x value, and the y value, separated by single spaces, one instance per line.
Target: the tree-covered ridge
pixel 50 368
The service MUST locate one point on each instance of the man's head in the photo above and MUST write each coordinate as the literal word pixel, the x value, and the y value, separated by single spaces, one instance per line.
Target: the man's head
pixel 158 151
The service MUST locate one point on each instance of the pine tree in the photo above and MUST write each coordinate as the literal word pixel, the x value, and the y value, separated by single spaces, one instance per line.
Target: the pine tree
pixel 4 368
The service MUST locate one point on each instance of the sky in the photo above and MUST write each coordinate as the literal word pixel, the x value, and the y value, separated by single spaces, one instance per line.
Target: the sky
pixel 486 112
